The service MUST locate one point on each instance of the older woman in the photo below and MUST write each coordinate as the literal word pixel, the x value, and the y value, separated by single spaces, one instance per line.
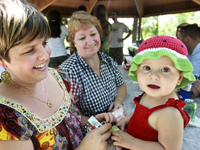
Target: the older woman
pixel 97 83
pixel 36 111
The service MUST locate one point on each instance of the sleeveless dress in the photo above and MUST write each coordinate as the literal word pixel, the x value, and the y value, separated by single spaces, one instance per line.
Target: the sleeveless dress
pixel 138 125
pixel 62 130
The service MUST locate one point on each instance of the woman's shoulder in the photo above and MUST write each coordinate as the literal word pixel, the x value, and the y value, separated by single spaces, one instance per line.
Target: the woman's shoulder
pixel 70 63
pixel 106 58
pixel 109 61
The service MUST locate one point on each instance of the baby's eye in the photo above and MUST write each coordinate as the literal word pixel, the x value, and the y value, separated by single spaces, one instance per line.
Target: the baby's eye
pixel 165 69
pixel 146 68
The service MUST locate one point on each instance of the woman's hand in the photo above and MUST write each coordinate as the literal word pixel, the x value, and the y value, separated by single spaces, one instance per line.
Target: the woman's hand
pixel 96 139
pixel 108 117
pixel 115 105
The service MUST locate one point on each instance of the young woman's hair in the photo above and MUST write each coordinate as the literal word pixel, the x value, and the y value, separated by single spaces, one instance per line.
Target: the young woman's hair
pixel 82 7
pixel 81 20
pixel 101 14
pixel 55 20
pixel 20 23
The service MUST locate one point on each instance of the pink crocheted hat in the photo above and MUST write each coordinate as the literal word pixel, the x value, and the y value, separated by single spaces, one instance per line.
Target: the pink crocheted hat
pixel 157 46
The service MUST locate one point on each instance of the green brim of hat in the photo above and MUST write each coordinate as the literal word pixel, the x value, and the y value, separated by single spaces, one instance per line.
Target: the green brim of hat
pixel 182 64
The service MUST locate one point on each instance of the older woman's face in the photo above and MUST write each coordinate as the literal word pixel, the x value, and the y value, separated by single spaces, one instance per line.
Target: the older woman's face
pixel 87 42
pixel 28 62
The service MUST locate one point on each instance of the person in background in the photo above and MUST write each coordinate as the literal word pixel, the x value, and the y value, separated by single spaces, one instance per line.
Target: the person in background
pixel 82 8
pixel 96 82
pixel 116 43
pixel 181 25
pixel 190 36
pixel 36 104
pixel 58 35
pixel 158 122
pixel 101 14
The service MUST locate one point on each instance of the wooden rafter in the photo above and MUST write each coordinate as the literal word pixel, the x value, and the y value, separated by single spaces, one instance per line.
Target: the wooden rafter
pixel 42 4
pixel 91 5
pixel 70 3
pixel 196 1
pixel 140 7
pixel 126 8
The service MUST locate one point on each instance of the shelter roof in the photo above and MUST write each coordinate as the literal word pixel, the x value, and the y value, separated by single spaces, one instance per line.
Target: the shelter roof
pixel 126 8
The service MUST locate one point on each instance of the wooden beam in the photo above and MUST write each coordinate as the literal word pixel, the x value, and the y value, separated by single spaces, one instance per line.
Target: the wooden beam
pixel 196 1
pixel 171 12
pixel 42 4
pixel 91 5
pixel 140 7
pixel 70 3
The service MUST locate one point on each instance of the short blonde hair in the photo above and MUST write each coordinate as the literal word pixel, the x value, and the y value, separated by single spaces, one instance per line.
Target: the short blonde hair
pixel 20 23
pixel 80 20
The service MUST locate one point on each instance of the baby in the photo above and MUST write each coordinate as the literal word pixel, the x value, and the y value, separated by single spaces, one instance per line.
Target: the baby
pixel 160 66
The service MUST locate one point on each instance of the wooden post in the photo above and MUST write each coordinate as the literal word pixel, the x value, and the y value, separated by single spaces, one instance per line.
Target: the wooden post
pixel 139 28
pixel 135 24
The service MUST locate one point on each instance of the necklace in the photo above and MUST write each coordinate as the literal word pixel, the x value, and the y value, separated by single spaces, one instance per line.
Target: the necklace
pixel 49 104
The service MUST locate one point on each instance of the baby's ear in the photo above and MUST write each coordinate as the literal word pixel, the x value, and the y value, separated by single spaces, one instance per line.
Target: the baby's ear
pixel 180 78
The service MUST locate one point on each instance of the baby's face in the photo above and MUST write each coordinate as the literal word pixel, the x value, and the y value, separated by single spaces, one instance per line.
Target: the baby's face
pixel 159 77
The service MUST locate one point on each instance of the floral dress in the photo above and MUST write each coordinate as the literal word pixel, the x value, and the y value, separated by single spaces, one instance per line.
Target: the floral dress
pixel 62 130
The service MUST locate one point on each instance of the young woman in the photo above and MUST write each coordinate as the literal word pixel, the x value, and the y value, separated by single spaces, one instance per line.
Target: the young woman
pixel 58 35
pixel 36 110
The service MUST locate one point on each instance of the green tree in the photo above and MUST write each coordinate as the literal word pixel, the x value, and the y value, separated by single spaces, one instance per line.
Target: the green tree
pixel 166 24
pixel 150 27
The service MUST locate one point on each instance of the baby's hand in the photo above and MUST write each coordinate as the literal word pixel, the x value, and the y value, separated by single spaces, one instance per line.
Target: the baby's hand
pixel 121 124
pixel 122 139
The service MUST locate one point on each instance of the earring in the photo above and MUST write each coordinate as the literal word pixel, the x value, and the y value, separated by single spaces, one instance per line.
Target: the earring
pixel 5 77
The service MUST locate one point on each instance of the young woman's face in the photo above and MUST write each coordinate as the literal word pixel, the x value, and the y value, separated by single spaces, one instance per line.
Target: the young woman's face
pixel 87 42
pixel 159 77
pixel 28 62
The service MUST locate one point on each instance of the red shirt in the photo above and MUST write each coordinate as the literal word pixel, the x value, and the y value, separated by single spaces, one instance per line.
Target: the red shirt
pixel 138 125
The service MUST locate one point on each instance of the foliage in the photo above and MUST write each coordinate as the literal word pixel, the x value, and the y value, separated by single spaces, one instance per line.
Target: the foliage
pixel 159 25
pixel 166 24
pixel 150 27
